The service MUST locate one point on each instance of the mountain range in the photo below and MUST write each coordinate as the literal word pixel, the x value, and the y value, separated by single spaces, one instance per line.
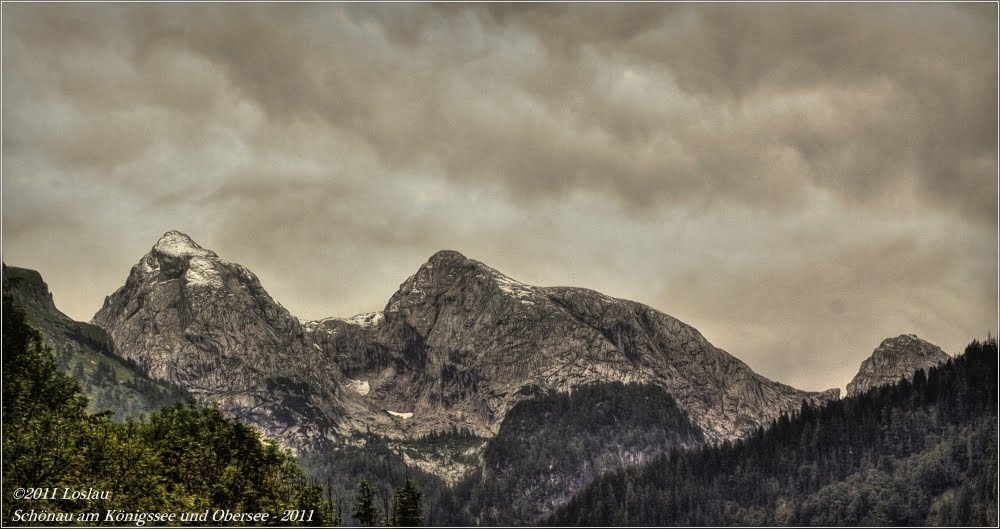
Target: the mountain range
pixel 459 347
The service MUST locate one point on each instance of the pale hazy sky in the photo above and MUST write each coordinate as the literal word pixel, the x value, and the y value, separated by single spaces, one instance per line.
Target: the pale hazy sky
pixel 797 181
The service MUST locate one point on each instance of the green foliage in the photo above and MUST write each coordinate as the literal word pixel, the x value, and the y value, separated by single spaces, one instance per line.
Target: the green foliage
pixel 407 506
pixel 44 423
pixel 917 453
pixel 182 459
pixel 365 510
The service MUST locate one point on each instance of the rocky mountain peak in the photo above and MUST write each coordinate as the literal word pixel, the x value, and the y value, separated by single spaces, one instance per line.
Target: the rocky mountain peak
pixel 176 244
pixel 175 255
pixel 189 317
pixel 894 359
pixel 449 275
pixel 448 258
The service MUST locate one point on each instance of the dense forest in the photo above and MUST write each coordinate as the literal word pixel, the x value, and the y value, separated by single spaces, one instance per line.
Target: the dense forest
pixel 553 444
pixel 371 459
pixel 921 452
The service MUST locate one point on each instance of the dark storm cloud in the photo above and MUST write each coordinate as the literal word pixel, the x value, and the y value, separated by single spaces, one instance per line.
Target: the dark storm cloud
pixel 679 154
pixel 863 98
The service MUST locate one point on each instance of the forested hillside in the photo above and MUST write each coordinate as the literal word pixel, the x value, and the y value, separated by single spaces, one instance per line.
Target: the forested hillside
pixel 372 459
pixel 184 458
pixel 916 453
pixel 552 445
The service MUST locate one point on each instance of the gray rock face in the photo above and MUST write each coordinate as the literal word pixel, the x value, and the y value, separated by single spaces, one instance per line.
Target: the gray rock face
pixel 27 288
pixel 460 343
pixel 189 317
pixel 457 345
pixel 893 360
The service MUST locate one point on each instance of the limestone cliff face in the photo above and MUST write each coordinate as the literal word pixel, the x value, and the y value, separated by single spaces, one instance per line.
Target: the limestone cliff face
pixel 459 344
pixel 187 316
pixel 893 360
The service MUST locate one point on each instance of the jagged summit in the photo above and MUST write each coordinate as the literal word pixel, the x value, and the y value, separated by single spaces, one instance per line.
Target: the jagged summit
pixel 449 274
pixel 448 257
pixel 189 317
pixel 176 244
pixel 894 359
pixel 176 256
pixel 451 261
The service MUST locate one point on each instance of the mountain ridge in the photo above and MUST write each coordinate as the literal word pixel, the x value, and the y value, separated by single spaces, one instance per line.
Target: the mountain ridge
pixel 457 345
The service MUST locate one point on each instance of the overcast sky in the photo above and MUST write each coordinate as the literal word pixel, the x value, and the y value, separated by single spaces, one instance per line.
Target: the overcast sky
pixel 798 182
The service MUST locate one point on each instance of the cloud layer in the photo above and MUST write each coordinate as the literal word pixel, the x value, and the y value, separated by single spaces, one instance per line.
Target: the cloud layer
pixel 797 181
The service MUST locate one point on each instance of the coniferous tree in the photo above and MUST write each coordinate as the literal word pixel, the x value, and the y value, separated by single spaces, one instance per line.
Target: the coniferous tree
pixel 407 506
pixel 364 506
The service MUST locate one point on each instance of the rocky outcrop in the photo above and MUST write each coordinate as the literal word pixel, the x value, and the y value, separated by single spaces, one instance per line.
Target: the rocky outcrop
pixel 187 316
pixel 27 288
pixel 893 360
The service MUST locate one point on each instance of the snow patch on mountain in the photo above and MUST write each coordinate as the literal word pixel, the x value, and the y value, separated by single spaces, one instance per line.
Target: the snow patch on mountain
pixel 201 272
pixel 366 319
pixel 176 244
pixel 513 288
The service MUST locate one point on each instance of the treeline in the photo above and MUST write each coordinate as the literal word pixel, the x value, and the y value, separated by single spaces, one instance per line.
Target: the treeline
pixel 124 395
pixel 370 459
pixel 406 511
pixel 917 453
pixel 438 435
pixel 185 458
